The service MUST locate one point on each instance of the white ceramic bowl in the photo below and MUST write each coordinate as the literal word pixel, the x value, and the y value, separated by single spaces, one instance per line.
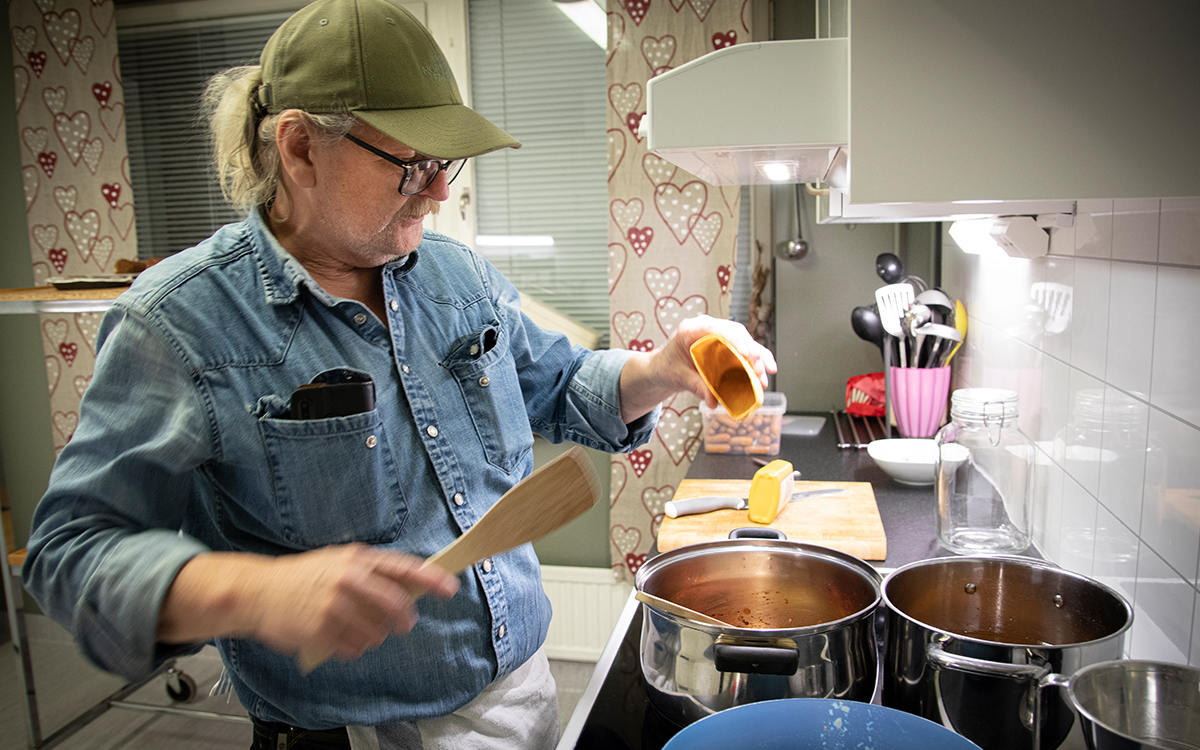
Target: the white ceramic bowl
pixel 907 460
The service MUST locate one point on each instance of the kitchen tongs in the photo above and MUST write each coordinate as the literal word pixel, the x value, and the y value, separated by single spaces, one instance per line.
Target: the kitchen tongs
pixel 546 500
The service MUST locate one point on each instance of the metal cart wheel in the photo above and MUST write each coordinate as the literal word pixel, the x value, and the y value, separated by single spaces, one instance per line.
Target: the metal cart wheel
pixel 180 687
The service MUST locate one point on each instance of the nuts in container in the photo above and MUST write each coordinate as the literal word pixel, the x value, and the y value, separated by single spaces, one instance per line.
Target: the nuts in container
pixel 757 433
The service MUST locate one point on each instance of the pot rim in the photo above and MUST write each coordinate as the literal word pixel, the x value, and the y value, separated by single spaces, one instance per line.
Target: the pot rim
pixel 1017 560
pixel 1121 665
pixel 869 573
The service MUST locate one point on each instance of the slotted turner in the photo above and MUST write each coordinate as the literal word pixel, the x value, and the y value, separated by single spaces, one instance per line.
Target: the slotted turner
pixel 546 500
pixel 893 301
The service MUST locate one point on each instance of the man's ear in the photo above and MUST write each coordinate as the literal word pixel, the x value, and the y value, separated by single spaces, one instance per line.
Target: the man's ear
pixel 294 139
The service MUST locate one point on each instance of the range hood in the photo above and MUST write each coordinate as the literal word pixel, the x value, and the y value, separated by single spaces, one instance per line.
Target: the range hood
pixel 802 129
pixel 936 109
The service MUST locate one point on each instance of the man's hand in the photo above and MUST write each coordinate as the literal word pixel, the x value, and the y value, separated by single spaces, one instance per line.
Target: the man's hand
pixel 649 379
pixel 339 600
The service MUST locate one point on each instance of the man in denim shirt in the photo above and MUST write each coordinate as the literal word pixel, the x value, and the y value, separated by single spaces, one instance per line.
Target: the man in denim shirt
pixel 191 507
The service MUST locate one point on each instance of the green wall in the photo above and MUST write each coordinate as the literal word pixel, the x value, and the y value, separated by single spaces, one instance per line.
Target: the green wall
pixel 25 441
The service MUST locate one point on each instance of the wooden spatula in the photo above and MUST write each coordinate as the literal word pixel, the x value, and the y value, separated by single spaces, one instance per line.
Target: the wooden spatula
pixel 678 609
pixel 546 500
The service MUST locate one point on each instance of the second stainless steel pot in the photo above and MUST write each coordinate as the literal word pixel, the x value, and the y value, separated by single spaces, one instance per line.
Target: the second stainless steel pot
pixel 1135 705
pixel 969 639
pixel 803 626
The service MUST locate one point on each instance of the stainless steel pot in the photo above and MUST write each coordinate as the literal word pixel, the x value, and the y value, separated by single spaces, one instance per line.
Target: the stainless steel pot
pixel 802 626
pixel 969 639
pixel 1135 705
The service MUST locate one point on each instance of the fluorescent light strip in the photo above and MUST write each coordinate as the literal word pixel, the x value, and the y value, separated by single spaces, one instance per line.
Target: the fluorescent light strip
pixel 514 240
pixel 588 16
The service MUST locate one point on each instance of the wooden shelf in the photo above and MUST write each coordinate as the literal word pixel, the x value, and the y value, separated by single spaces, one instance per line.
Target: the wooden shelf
pixel 47 299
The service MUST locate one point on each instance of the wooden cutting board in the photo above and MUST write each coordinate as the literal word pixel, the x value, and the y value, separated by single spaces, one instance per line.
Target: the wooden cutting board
pixel 848 522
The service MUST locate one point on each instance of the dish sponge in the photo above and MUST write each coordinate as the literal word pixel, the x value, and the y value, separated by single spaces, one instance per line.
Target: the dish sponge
pixel 727 374
pixel 770 490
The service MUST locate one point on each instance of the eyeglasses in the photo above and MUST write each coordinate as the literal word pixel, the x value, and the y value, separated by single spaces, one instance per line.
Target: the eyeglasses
pixel 418 174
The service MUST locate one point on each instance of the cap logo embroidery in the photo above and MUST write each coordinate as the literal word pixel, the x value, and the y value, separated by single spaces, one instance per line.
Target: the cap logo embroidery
pixel 438 70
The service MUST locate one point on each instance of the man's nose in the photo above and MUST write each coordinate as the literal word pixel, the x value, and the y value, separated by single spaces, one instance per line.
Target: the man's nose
pixel 439 189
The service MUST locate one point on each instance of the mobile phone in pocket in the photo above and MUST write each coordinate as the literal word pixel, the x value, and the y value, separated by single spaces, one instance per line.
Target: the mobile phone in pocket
pixel 323 400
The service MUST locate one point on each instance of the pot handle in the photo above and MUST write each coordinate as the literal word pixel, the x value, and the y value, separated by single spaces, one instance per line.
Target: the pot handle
pixel 1049 680
pixel 939 658
pixel 728 657
pixel 757 532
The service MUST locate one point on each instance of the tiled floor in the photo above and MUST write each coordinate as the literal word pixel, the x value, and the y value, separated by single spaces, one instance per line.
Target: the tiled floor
pixel 67 686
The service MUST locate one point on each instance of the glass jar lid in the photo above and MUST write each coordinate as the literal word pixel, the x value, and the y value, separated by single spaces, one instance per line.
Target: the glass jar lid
pixel 983 404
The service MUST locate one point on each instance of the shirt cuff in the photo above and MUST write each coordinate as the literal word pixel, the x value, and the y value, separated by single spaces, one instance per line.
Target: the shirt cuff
pixel 116 623
pixel 598 382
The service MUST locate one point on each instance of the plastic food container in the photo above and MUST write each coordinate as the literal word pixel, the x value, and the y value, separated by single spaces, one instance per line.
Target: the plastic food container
pixel 757 433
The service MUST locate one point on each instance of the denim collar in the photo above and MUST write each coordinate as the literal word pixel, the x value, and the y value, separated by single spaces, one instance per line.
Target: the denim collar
pixel 283 275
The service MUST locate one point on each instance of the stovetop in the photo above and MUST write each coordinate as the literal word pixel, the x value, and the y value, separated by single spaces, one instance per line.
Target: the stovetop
pixel 614 712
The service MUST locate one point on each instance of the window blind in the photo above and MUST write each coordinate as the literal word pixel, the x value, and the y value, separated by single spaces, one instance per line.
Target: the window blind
pixel 539 77
pixel 163 71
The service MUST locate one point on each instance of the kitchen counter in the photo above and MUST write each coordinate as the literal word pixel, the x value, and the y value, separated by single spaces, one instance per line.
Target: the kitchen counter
pixel 614 712
pixel 46 299
pixel 909 514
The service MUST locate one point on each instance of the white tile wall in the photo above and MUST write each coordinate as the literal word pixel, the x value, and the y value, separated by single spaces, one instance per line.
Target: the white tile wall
pixel 1109 386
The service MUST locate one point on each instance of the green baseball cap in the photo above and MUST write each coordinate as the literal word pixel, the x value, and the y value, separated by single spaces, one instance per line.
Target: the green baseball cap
pixel 376 60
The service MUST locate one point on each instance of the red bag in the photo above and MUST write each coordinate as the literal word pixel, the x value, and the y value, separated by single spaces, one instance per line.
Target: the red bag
pixel 866 395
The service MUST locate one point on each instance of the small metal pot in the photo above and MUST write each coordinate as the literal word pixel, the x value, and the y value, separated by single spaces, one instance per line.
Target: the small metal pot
pixel 1135 705
pixel 801 626
pixel 971 638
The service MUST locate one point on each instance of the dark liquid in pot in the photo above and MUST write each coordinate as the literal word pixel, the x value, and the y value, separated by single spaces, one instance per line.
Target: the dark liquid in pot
pixel 774 608
pixel 1007 637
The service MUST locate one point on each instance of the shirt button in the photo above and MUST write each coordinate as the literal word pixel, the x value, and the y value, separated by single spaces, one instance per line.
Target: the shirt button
pixel 484 381
pixel 487 566
pixel 431 430
pixel 500 633
pixel 371 441
pixel 474 349
pixel 458 498
pixel 394 305
pixel 360 318
pixel 404 369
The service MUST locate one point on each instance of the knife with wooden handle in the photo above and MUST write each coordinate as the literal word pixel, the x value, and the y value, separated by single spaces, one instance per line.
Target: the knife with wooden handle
pixel 693 505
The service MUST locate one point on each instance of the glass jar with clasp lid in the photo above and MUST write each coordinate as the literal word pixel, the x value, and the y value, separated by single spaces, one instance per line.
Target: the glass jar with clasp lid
pixel 984 475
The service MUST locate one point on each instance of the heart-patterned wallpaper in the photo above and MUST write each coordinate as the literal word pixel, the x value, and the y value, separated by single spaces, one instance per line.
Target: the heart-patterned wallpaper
pixel 78 198
pixel 672 244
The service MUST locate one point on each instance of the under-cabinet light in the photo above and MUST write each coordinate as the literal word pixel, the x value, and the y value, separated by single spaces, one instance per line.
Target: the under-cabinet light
pixel 777 171
pixel 1011 236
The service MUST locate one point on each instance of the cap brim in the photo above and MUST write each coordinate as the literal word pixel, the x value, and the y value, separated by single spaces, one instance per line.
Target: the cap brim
pixel 448 131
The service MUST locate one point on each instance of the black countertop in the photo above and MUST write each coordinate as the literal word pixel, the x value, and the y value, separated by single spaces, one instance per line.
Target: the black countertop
pixel 909 514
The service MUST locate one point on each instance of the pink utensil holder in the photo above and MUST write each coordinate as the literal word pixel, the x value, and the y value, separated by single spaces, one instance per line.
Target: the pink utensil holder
pixel 919 399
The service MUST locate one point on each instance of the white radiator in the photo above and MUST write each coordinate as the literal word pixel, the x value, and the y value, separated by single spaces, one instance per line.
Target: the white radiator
pixel 587 603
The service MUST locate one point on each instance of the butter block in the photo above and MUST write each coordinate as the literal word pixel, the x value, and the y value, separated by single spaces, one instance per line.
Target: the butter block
pixel 771 487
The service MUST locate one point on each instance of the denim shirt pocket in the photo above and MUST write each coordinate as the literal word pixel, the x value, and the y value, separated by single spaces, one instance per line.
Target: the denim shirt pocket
pixel 486 374
pixel 334 479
